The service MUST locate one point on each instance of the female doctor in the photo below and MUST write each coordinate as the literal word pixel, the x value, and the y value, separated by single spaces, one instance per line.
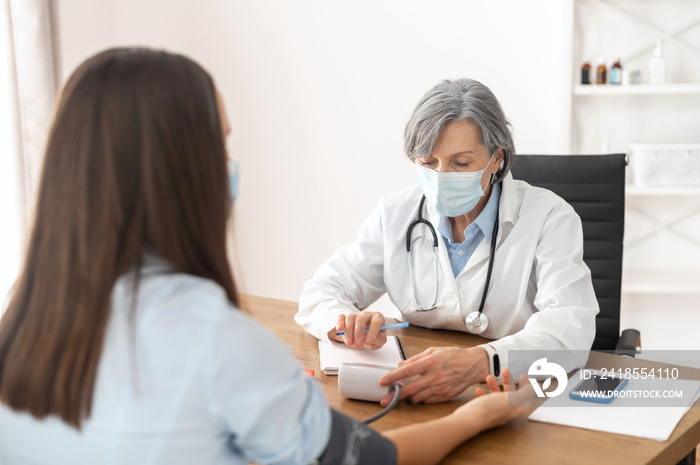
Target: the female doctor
pixel 467 249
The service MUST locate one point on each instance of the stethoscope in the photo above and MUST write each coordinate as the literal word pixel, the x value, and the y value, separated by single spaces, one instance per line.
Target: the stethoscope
pixel 476 321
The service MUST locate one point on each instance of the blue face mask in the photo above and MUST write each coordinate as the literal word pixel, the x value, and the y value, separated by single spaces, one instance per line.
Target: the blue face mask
pixel 451 194
pixel 233 178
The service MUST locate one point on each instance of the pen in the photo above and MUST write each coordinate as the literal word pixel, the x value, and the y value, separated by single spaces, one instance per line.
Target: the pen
pixel 383 328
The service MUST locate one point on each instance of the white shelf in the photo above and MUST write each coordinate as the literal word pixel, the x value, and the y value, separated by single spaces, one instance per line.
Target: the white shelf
pixel 660 282
pixel 641 191
pixel 637 89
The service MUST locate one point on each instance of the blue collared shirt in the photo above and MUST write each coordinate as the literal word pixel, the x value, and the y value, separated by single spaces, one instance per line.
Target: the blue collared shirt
pixel 481 227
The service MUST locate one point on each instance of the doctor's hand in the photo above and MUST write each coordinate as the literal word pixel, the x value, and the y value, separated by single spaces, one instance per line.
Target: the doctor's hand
pixel 354 326
pixel 441 374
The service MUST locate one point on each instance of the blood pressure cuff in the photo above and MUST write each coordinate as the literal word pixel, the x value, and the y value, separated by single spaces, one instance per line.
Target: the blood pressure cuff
pixel 354 443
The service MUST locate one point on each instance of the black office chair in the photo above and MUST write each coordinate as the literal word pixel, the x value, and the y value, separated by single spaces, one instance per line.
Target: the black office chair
pixel 595 186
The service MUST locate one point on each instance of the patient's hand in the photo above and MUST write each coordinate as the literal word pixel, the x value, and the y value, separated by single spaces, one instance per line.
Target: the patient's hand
pixel 498 408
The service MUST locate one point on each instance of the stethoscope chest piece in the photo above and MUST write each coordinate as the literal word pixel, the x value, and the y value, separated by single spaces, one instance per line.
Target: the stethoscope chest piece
pixel 477 322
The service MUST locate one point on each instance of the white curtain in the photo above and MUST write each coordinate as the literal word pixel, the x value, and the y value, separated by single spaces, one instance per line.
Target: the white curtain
pixel 27 91
pixel 32 43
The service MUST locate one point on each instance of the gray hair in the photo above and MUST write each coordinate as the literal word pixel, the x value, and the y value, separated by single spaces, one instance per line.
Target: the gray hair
pixel 458 100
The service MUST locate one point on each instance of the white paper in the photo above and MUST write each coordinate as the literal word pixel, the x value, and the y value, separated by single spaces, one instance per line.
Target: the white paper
pixel 336 353
pixel 622 415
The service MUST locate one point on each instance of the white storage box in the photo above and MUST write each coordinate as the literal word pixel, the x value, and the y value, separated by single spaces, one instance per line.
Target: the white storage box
pixel 665 164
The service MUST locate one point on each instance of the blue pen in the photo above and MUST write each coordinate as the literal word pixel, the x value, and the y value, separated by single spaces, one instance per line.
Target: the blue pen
pixel 383 328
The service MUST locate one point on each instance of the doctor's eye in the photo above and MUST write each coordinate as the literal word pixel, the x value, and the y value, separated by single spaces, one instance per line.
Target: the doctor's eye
pixel 427 162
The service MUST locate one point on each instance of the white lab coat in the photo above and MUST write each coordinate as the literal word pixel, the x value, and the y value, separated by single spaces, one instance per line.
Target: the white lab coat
pixel 541 296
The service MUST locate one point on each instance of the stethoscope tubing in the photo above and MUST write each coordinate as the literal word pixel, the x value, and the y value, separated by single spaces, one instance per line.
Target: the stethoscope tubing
pixel 418 221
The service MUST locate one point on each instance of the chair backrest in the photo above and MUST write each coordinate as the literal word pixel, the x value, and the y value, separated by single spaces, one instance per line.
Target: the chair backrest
pixel 595 186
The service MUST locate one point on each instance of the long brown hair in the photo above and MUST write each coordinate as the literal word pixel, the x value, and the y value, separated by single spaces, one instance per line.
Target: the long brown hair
pixel 135 159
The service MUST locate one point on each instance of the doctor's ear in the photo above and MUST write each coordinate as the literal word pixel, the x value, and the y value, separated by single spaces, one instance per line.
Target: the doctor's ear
pixel 499 161
pixel 500 157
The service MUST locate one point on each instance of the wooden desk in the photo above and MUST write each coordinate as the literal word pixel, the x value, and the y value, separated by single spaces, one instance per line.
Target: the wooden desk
pixel 519 442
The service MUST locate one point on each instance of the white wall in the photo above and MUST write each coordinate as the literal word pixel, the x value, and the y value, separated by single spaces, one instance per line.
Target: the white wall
pixel 318 93
pixel 82 27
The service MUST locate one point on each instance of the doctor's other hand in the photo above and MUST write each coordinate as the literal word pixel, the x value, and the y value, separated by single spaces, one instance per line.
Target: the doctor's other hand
pixel 441 374
pixel 354 326
pixel 498 407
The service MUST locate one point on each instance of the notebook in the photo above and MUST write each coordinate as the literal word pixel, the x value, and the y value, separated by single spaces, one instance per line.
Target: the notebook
pixel 336 353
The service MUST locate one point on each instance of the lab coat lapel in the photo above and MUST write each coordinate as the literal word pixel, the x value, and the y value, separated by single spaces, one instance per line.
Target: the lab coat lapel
pixel 480 254
pixel 507 215
pixel 509 207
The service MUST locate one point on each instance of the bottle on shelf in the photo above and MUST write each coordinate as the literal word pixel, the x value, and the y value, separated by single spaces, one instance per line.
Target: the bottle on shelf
pixel 602 72
pixel 616 73
pixel 586 73
pixel 657 66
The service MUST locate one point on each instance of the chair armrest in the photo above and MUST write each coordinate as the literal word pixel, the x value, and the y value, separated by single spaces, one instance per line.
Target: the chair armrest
pixel 628 343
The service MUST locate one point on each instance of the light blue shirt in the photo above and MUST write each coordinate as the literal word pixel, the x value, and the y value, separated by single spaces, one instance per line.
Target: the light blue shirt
pixel 481 227
pixel 200 383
